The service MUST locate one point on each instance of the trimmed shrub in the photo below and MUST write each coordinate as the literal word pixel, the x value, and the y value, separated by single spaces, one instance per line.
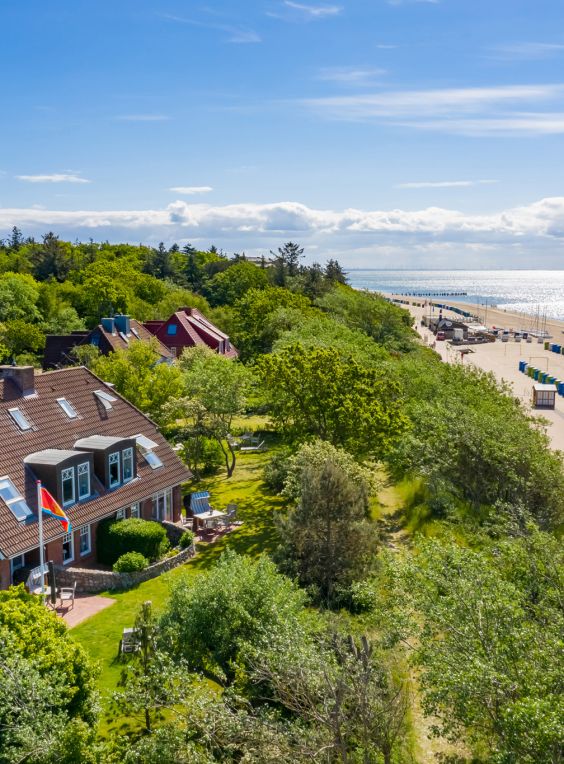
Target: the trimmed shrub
pixel 186 540
pixel 117 537
pixel 130 562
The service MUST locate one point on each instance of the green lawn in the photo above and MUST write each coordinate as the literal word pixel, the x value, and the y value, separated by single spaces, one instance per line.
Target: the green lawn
pixel 100 634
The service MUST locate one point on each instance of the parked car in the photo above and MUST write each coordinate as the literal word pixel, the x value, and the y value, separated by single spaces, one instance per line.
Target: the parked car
pixel 441 336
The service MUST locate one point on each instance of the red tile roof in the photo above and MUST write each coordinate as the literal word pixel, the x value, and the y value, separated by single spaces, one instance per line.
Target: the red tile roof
pixel 51 428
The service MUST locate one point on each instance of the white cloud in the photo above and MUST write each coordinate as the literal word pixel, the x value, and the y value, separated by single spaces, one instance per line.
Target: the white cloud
pixel 142 118
pixel 543 218
pixel 445 183
pixel 191 190
pixel 54 178
pixel 523 236
pixel 493 110
pixel 314 11
pixel 350 75
pixel 526 51
pixel 235 33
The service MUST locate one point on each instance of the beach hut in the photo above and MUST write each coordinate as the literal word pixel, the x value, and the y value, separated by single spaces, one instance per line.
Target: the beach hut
pixel 544 396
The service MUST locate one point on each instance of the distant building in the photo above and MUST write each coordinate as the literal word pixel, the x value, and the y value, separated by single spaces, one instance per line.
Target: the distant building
pixel 189 328
pixel 448 325
pixel 117 333
pixel 93 451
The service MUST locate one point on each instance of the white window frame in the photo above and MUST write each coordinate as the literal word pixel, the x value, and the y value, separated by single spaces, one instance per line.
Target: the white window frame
pixel 114 458
pixel 166 498
pixel 127 454
pixel 69 473
pixel 15 499
pixel 120 514
pixel 85 532
pixel 135 509
pixel 68 539
pixel 68 408
pixel 81 471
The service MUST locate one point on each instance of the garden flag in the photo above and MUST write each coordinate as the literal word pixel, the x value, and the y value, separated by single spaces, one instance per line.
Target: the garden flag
pixel 50 507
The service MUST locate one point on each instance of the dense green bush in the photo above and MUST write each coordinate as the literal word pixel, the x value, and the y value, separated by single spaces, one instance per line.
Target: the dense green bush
pixel 130 562
pixel 186 540
pixel 276 471
pixel 116 537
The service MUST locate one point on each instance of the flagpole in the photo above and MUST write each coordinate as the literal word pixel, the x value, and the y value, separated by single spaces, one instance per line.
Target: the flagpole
pixel 41 551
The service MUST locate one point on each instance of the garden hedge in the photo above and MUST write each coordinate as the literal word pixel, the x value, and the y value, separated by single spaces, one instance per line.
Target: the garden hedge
pixel 130 562
pixel 117 537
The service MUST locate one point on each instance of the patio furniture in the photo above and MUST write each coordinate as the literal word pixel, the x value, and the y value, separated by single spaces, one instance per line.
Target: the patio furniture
pixel 129 642
pixel 231 512
pixel 66 594
pixel 251 449
pixel 233 442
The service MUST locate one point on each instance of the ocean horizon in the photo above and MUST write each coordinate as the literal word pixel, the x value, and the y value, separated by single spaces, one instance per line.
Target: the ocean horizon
pixel 526 291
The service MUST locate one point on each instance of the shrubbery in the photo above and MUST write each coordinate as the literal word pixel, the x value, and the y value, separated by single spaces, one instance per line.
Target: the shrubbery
pixel 130 562
pixel 117 537
pixel 186 540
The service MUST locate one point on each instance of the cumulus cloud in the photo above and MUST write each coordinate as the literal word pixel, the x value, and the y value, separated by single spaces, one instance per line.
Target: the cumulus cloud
pixel 542 218
pixel 514 237
pixel 58 177
pixel 191 190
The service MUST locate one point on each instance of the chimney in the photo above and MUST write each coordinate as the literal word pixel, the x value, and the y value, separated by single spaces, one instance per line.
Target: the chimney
pixel 122 324
pixel 108 325
pixel 21 376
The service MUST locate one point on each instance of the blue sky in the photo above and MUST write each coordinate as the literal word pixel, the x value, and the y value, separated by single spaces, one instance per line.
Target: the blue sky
pixel 388 133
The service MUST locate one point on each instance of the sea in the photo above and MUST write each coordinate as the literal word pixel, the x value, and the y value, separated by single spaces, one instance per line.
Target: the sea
pixel 534 292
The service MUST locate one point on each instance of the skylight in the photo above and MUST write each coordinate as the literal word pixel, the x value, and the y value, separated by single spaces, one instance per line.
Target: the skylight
pixel 19 418
pixel 105 399
pixel 124 338
pixel 68 408
pixel 14 500
pixel 135 332
pixel 152 459
pixel 145 443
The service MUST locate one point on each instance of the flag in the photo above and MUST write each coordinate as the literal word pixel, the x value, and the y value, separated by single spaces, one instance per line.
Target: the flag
pixel 50 507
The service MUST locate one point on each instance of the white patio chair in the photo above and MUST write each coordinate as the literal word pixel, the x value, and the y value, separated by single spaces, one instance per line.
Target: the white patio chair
pixel 66 594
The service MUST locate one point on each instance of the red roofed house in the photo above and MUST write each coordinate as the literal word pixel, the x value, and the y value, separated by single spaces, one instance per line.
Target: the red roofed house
pixel 117 333
pixel 189 328
pixel 93 451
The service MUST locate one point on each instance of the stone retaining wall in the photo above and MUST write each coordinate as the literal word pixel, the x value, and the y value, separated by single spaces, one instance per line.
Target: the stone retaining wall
pixel 92 581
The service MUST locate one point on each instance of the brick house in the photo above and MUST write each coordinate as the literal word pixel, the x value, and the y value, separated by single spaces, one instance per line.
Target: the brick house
pixel 94 452
pixel 188 328
pixel 116 333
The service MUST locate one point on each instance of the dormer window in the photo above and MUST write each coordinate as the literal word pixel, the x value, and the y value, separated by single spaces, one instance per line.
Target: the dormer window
pixel 83 481
pixel 67 486
pixel 20 419
pixel 68 408
pixel 114 470
pixel 128 465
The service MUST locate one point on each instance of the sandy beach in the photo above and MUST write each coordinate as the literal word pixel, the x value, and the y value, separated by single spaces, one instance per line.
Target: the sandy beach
pixel 502 358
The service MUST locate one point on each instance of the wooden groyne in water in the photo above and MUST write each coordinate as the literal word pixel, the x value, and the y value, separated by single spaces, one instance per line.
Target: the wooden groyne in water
pixel 432 294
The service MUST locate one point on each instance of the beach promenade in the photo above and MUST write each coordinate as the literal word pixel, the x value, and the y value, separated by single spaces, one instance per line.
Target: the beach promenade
pixel 502 358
